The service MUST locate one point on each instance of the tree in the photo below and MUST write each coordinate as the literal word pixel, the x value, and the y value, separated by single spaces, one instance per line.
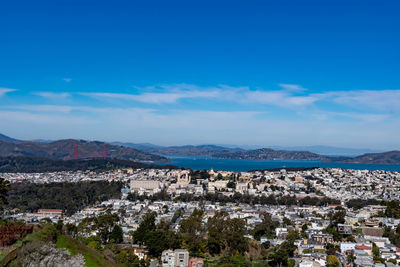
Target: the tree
pixel 172 237
pixel 127 257
pixel 156 238
pixel 291 263
pixel 265 228
pixel 215 227
pixel 280 255
pixel 147 226
pixel 339 216
pixel 71 229
pixel 331 229
pixel 156 242
pixel 331 249
pixel 116 235
pixel 105 224
pixel 4 188
pixel 70 197
pixel 226 234
pixel 192 232
pixel 234 234
pixel 332 261
pixel 392 209
pixel 231 184
pixel 287 221
pixel 376 254
pixel 350 258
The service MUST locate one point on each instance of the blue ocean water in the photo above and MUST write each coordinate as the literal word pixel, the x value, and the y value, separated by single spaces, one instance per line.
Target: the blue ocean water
pixel 238 165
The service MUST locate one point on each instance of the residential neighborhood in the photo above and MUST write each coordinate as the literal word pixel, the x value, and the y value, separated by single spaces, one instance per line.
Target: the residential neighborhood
pixel 327 212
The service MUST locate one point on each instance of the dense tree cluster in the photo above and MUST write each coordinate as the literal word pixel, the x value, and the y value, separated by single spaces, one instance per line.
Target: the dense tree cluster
pixel 108 231
pixel 265 228
pixel 226 234
pixel 220 235
pixel 393 235
pixel 155 237
pixel 70 197
pixel 361 203
pixel 392 209
pixel 279 255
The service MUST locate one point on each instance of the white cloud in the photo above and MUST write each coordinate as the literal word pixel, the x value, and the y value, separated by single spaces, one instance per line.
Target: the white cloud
pixel 279 98
pixel 67 79
pixel 290 96
pixel 386 100
pixel 52 95
pixel 292 87
pixel 170 97
pixel 171 94
pixel 4 91
pixel 350 116
pixel 43 108
pixel 361 117
pixel 193 126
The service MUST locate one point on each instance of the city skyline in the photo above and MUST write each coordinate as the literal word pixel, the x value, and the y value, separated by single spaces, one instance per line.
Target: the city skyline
pixel 258 73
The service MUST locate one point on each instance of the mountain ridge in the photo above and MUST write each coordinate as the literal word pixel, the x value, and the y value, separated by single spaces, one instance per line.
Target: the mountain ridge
pixel 66 148
pixel 8 139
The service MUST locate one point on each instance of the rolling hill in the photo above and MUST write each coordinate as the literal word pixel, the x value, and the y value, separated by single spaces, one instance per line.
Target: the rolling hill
pixel 64 149
pixel 270 154
pixel 8 139
pixel 390 157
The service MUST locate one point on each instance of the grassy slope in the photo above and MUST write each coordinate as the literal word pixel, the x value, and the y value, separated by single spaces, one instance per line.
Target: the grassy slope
pixel 92 257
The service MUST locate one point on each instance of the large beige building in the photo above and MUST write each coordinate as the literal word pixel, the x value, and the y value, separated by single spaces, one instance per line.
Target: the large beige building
pixel 218 184
pixel 138 185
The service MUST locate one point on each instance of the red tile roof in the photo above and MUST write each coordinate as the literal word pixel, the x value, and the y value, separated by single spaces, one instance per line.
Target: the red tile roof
pixel 363 247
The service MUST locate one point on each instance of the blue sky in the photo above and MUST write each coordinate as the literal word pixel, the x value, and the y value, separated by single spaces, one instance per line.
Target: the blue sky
pixel 270 73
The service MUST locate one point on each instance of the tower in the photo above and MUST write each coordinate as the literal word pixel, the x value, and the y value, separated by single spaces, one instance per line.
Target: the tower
pixel 104 154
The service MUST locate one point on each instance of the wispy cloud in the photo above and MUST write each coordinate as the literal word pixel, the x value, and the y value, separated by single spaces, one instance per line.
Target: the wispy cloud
pixel 67 79
pixel 386 100
pixel 43 108
pixel 361 117
pixel 52 95
pixel 237 113
pixel 292 87
pixel 290 96
pixel 279 98
pixel 171 94
pixel 4 91
pixel 192 126
pixel 169 97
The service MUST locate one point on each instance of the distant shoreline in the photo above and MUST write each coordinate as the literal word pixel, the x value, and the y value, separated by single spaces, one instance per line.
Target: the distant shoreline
pixel 205 162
